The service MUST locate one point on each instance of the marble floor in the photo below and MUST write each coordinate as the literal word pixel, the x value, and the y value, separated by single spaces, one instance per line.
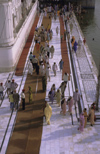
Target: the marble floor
pixel 61 137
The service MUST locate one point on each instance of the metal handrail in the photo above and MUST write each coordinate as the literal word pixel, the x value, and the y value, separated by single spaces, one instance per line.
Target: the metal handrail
pixel 6 130
pixel 12 112
pixel 25 68
pixel 7 79
pixel 76 84
pixel 30 50
pixel 72 118
pixel 67 43
pixel 74 75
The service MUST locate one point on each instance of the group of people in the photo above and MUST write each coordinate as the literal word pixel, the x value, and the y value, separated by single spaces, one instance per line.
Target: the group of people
pixel 84 117
pixel 60 92
pixel 77 45
pixel 41 64
pixel 61 100
pixel 11 87
pixel 72 100
pixel 12 94
pixel 42 34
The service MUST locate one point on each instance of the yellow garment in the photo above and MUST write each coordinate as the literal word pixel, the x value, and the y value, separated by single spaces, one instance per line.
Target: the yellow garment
pixel 48 27
pixel 73 41
pixel 92 116
pixel 48 113
pixel 30 95
pixel 58 97
pixel 11 99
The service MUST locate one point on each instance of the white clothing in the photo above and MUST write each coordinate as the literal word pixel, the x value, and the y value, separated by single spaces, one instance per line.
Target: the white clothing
pixel 40 58
pixel 76 96
pixel 41 69
pixel 22 95
pixel 39 39
pixel 47 72
pixel 8 84
pixel 47 60
pixel 30 68
pixel 1 88
pixel 79 42
pixel 46 43
pixel 57 30
pixel 45 35
pixel 14 85
pixel 65 77
pixel 54 67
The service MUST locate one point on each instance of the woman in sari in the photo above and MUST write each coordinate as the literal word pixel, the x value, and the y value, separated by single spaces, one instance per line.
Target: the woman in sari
pixel 91 114
pixel 85 117
pixel 70 103
pixel 82 121
pixel 48 113
pixel 63 106
pixel 58 97
pixel 75 46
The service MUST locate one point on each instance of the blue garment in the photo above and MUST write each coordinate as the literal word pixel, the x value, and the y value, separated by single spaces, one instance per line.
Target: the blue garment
pixel 12 105
pixel 52 95
pixel 75 46
pixel 61 64
pixel 30 56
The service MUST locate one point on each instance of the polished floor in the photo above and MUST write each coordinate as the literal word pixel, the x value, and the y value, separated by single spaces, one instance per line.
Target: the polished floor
pixel 61 137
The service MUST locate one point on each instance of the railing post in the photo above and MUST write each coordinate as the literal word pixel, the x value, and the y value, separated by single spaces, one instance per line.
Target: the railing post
pixel 71 118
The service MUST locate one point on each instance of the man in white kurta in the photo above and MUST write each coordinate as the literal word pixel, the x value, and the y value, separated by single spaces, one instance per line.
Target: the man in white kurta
pixel 48 113
pixel 42 69
pixel 76 97
pixel 47 70
pixel 30 68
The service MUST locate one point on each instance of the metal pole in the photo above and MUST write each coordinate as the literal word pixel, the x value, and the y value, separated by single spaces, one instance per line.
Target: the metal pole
pixel 98 89
pixel 72 118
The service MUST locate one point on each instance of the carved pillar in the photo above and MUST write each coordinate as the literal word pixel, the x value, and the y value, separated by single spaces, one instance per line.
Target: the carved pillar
pixel 6 23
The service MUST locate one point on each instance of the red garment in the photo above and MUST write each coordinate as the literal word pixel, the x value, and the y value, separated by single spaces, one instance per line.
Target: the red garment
pixel 84 41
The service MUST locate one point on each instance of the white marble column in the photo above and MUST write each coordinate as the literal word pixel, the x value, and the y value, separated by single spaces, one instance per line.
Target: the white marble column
pixel 6 23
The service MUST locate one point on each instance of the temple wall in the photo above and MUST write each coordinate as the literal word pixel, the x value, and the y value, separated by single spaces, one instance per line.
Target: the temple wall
pixel 11 48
